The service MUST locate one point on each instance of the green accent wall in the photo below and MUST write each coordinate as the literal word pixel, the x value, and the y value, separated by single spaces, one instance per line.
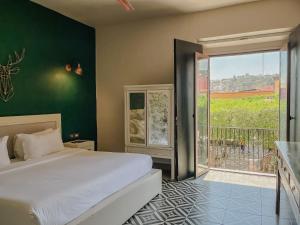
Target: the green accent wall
pixel 43 86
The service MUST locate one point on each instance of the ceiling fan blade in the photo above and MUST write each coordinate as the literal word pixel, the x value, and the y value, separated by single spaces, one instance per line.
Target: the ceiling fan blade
pixel 126 5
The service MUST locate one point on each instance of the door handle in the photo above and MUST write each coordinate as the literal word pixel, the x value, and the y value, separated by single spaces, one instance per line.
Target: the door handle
pixel 292 118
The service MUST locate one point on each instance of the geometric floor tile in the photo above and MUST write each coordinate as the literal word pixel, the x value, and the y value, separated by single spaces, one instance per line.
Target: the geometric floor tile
pixel 217 198
pixel 275 221
pixel 198 221
pixel 208 201
pixel 244 206
pixel 209 214
pixel 232 218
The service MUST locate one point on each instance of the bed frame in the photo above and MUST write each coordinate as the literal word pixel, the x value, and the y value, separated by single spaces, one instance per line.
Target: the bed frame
pixel 113 210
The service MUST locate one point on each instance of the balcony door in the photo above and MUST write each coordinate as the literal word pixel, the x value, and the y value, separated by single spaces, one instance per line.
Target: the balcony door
pixel 201 113
pixel 293 86
pixel 185 68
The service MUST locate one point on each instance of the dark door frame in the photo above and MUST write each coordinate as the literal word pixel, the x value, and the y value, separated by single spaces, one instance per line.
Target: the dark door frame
pixel 183 54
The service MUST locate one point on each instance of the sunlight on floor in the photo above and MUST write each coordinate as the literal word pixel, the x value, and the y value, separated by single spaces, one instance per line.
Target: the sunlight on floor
pixel 216 198
pixel 241 179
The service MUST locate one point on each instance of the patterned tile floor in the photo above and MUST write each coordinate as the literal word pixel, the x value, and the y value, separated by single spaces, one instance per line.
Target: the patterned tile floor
pixel 217 198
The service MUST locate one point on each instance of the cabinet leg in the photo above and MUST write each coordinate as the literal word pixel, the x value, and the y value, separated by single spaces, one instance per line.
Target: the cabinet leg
pixel 278 185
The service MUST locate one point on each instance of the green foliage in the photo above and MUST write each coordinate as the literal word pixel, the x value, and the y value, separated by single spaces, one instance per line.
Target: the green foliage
pixel 246 112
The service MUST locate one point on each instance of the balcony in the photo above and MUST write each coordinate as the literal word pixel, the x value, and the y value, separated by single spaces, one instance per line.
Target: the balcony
pixel 243 149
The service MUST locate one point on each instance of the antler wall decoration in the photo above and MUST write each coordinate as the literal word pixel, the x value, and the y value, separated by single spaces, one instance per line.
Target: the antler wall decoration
pixel 6 71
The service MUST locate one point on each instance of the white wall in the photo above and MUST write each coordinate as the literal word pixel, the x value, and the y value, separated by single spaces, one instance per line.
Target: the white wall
pixel 142 52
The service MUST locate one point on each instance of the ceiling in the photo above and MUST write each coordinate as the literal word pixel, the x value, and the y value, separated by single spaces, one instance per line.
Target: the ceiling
pixel 101 12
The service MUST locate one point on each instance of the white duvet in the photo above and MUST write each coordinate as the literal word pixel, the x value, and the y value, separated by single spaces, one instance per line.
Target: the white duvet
pixel 58 188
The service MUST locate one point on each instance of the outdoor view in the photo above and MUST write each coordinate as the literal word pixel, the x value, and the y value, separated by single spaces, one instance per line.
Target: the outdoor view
pixel 244 111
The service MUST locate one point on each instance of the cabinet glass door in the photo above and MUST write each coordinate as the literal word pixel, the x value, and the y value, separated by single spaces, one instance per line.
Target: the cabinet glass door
pixel 158 113
pixel 136 118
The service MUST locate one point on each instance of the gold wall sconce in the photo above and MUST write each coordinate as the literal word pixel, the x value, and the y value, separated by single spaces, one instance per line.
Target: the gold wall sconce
pixel 76 67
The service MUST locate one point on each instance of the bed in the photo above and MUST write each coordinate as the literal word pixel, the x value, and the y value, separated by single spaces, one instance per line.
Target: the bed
pixel 73 186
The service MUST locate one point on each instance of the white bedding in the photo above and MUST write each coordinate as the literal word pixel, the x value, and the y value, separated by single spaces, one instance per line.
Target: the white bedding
pixel 58 188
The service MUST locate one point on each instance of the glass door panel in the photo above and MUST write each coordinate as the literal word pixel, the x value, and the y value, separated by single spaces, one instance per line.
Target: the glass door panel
pixel 201 113
pixel 158 114
pixel 293 98
pixel 137 115
pixel 283 118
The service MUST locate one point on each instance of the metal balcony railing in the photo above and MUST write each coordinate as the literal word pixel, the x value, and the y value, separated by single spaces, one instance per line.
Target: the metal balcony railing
pixel 246 149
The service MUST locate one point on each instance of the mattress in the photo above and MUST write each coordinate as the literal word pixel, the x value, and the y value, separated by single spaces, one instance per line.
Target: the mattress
pixel 60 187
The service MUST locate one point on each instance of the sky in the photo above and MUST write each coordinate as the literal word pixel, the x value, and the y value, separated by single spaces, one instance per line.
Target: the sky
pixel 256 63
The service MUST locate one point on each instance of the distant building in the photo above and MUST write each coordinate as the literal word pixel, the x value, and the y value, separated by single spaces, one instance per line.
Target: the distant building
pixel 246 83
pixel 245 86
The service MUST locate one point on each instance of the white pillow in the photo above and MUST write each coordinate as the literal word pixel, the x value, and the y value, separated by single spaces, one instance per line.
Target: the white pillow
pixel 18 143
pixel 38 145
pixel 4 158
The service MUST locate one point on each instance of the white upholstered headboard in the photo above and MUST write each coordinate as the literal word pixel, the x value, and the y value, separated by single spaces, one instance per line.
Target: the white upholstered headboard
pixel 12 125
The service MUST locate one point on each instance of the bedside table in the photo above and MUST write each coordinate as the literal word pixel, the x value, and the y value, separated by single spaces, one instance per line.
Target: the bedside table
pixel 85 144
